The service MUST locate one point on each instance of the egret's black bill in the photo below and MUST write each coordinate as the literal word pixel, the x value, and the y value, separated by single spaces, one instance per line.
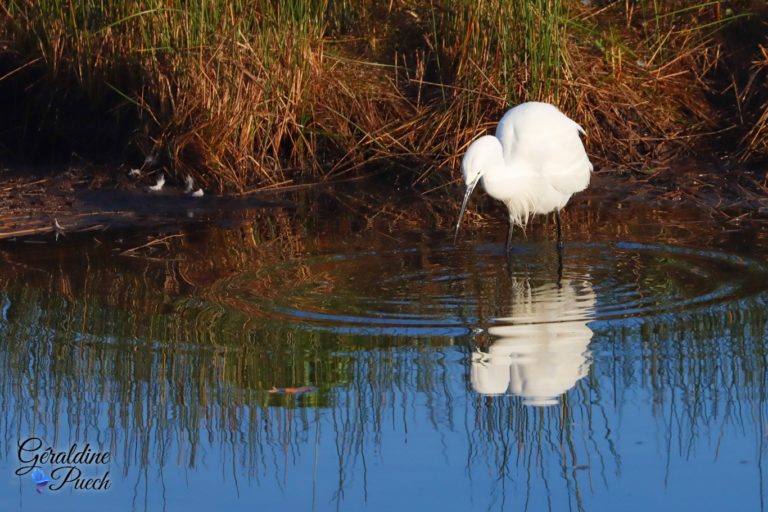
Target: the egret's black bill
pixel 468 193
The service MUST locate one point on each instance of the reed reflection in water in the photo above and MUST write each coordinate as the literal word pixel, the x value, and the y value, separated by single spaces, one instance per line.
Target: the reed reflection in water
pixel 540 348
pixel 155 359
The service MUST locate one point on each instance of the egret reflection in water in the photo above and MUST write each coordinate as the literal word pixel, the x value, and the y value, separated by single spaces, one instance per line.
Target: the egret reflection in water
pixel 540 350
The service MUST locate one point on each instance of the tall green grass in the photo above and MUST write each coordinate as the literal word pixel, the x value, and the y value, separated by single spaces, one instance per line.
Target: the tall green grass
pixel 485 57
pixel 248 93
pixel 238 92
pixel 517 46
pixel 221 87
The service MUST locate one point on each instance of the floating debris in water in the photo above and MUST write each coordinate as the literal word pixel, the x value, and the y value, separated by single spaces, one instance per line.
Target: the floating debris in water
pixel 198 193
pixel 159 185
pixel 134 173
pixel 293 391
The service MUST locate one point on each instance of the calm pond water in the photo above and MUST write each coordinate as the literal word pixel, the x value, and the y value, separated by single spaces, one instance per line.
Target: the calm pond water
pixel 356 359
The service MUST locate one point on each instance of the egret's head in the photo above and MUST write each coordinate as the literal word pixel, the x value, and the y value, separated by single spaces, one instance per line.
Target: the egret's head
pixel 482 155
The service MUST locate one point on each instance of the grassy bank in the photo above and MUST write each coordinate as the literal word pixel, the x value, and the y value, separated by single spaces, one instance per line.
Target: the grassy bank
pixel 244 94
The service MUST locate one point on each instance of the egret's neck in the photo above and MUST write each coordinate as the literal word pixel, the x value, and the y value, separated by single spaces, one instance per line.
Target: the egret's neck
pixel 512 178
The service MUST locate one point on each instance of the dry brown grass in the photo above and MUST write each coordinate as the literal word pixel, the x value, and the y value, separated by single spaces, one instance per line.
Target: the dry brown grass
pixel 644 98
pixel 755 142
pixel 244 95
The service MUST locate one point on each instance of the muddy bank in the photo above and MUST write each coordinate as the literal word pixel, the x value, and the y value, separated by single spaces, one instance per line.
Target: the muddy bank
pixel 106 203
pixel 54 204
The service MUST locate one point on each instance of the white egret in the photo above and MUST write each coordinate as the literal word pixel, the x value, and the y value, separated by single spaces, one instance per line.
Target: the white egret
pixel 533 165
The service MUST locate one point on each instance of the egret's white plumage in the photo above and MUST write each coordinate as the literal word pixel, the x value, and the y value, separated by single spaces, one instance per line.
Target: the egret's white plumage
pixel 534 163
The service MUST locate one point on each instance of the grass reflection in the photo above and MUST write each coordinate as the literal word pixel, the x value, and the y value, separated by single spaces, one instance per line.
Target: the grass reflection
pixel 143 356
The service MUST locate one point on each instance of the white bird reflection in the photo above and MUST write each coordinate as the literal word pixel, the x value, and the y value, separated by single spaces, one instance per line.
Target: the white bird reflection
pixel 540 351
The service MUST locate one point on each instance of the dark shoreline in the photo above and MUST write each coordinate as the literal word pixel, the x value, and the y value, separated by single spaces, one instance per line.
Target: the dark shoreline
pixel 105 202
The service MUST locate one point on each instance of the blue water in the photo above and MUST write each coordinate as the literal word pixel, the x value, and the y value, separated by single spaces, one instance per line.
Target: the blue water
pixel 439 377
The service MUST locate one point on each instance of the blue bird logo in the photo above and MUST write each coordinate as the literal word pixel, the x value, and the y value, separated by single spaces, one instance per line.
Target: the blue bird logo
pixel 39 478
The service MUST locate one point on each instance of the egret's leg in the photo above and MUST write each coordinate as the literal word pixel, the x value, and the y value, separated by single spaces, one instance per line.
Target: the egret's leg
pixel 559 247
pixel 509 236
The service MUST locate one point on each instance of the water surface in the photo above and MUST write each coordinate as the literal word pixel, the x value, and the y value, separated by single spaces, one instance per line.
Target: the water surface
pixel 344 358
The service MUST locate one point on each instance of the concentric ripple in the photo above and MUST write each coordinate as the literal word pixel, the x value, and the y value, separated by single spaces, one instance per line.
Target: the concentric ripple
pixel 449 292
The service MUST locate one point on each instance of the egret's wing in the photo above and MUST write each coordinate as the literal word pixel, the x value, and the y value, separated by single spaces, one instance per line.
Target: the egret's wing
pixel 567 167
pixel 543 139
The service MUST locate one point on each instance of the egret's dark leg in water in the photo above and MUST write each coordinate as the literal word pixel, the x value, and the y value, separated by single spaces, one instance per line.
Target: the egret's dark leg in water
pixel 559 229
pixel 559 247
pixel 508 247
